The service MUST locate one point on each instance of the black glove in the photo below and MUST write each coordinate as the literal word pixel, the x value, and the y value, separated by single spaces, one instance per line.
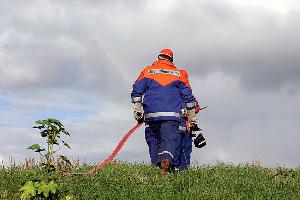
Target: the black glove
pixel 196 132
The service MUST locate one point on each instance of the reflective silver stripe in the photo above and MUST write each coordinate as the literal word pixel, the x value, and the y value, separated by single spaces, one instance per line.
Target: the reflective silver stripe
pixel 191 105
pixel 167 153
pixel 162 114
pixel 147 125
pixel 182 128
pixel 136 99
pixel 164 71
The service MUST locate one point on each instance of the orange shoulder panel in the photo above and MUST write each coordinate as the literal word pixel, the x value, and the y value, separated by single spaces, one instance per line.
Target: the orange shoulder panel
pixel 142 75
pixel 184 77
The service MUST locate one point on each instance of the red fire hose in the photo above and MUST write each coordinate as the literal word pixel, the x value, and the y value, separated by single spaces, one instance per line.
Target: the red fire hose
pixel 111 156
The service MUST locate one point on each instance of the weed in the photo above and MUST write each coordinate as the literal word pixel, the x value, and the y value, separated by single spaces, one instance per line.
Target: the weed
pixel 43 184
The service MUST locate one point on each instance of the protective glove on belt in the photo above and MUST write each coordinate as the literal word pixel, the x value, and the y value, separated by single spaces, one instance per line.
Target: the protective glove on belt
pixel 199 140
pixel 196 132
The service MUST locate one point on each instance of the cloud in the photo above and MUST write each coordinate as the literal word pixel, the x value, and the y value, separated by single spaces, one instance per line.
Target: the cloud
pixel 258 45
pixel 242 127
pixel 76 61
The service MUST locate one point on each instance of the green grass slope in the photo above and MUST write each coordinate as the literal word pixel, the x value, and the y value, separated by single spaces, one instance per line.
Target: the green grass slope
pixel 139 181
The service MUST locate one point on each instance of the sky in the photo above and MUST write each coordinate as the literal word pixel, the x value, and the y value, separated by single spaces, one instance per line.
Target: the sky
pixel 76 61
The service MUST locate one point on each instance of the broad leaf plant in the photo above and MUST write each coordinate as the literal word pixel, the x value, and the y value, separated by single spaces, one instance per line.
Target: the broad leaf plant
pixel 52 131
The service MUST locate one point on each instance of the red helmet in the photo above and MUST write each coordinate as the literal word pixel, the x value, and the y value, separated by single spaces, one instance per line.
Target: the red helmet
pixel 166 54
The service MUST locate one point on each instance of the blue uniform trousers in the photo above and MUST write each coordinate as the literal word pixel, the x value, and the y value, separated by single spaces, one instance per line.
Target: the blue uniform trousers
pixel 183 148
pixel 152 144
pixel 166 135
pixel 183 152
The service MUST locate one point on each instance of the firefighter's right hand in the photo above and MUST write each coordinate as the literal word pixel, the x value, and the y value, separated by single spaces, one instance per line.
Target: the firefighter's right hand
pixel 199 140
pixel 192 117
pixel 138 111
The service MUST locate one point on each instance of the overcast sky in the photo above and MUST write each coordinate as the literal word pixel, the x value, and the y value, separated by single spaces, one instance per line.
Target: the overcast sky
pixel 76 61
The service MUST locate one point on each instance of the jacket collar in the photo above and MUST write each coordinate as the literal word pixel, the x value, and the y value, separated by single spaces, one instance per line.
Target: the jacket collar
pixel 164 62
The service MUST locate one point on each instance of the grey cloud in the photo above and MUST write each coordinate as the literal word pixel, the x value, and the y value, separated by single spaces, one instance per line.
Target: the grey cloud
pixel 242 62
pixel 68 52
pixel 242 127
pixel 260 48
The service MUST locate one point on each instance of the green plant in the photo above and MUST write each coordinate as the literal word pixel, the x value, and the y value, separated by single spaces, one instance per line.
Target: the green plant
pixel 140 181
pixel 38 188
pixel 52 130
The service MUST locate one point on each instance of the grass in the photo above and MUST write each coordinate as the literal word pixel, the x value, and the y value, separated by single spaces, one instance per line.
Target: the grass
pixel 140 181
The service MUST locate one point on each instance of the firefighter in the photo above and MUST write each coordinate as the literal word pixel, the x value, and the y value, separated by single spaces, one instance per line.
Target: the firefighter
pixel 157 97
pixel 184 144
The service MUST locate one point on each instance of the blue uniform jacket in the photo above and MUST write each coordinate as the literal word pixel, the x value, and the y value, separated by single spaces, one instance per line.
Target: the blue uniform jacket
pixel 161 88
